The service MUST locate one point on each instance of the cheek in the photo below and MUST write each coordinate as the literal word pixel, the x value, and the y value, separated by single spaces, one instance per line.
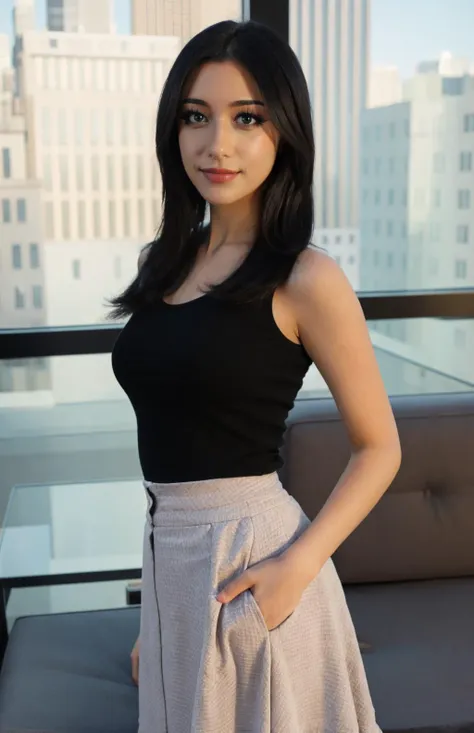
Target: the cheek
pixel 261 154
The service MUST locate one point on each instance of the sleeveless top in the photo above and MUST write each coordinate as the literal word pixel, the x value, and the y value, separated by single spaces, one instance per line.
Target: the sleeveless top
pixel 211 384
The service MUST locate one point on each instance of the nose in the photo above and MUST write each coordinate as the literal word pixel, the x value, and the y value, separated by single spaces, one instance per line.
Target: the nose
pixel 220 139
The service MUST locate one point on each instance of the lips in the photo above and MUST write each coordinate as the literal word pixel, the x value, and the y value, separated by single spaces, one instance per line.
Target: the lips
pixel 219 175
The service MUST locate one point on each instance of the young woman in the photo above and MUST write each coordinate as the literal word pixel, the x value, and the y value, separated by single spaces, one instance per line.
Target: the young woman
pixel 244 625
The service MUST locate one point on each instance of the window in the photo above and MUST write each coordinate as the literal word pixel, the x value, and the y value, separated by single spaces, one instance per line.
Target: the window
pixel 337 239
pixel 461 269
pixel 140 172
pixel 391 166
pixel 376 257
pixel 378 132
pixel 19 299
pixel 438 163
pixel 34 256
pixel 389 228
pixel 365 166
pixel 125 173
pixel 464 198
pixel 112 215
pixel 436 198
pixel 391 197
pixel 404 197
pixel 79 172
pixel 37 296
pixel 126 218
pixel 404 230
pixel 16 256
pixel 389 259
pixel 465 161
pixel 351 259
pixel 435 231
pixel 65 219
pixel 378 166
pixel 95 172
pixel 49 219
pixel 6 211
pixel 81 219
pixel 469 123
pixel 96 211
pixel 391 130
pixel 377 196
pixel 377 226
pixel 6 163
pixel 76 269
pixel 462 234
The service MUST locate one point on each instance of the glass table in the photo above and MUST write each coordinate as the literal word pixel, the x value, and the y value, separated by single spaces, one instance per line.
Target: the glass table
pixel 60 534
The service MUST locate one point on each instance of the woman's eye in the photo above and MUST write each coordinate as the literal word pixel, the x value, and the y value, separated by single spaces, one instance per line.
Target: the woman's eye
pixel 249 119
pixel 191 117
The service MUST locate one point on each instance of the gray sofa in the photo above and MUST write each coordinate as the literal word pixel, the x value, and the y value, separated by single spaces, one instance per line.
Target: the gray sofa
pixel 408 572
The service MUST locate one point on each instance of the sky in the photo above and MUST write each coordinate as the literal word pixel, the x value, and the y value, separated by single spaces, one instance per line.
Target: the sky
pixel 403 32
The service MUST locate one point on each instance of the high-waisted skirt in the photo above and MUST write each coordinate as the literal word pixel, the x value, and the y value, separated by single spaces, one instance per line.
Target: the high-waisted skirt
pixel 211 667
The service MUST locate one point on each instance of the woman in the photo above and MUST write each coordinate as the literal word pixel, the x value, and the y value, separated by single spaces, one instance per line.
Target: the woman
pixel 244 625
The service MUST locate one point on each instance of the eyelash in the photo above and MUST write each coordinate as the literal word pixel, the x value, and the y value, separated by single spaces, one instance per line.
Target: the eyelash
pixel 187 114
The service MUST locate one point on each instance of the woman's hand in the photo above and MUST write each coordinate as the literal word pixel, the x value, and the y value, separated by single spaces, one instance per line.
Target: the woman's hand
pixel 135 656
pixel 276 585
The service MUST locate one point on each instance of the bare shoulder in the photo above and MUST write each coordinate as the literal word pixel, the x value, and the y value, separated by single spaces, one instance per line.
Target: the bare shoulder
pixel 316 278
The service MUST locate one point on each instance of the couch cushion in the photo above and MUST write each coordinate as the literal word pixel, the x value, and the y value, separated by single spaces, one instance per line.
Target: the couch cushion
pixel 419 661
pixel 70 673
pixel 423 527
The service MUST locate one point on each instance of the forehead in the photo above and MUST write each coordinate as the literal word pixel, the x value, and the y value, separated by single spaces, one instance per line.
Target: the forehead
pixel 222 82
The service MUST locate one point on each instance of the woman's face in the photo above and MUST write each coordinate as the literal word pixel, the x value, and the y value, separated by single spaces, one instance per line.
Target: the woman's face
pixel 228 145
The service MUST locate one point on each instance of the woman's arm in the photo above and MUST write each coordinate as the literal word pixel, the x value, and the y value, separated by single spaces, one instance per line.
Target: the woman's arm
pixel 332 327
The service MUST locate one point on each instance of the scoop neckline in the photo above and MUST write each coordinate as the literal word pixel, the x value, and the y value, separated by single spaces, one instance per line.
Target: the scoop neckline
pixel 185 302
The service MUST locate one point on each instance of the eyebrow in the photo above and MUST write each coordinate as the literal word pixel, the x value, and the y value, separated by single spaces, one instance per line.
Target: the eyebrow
pixel 237 103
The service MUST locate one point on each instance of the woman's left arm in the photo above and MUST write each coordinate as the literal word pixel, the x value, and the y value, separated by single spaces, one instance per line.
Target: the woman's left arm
pixel 333 330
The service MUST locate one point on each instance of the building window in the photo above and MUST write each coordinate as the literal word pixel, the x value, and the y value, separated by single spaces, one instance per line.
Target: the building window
pixel 6 163
pixel 376 257
pixel 462 234
pixel 65 219
pixel 126 218
pixel 469 123
pixel 337 239
pixel 81 219
pixel 404 197
pixel 389 259
pixel 112 215
pixel 6 211
pixel 391 197
pixel 76 269
pixel 438 163
pixel 125 173
pixel 34 256
pixel 378 166
pixel 351 239
pixel 389 228
pixel 404 230
pixel 351 259
pixel 96 216
pixel 391 130
pixel 436 198
pixel 464 198
pixel 37 296
pixel 391 166
pixel 19 299
pixel 461 269
pixel 435 231
pixel 49 219
pixel 365 166
pixel 21 210
pixel 465 161
pixel 377 197
pixel 16 256
pixel 79 173
pixel 378 132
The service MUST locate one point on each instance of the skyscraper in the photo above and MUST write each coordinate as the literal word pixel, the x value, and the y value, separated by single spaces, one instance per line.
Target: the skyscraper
pixel 331 40
pixel 73 16
pixel 182 18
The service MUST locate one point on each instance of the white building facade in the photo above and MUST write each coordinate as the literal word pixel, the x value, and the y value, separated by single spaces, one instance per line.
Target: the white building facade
pixel 91 103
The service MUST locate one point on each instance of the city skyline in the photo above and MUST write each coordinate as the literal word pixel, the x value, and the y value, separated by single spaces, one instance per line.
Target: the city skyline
pixel 394 37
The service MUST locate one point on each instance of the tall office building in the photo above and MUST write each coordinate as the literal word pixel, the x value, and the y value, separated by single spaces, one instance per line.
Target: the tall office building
pixel 86 16
pixel 90 102
pixel 385 86
pixel 23 16
pixel 183 18
pixel 331 40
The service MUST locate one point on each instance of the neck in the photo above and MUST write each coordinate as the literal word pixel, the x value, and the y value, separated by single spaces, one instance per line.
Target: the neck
pixel 232 224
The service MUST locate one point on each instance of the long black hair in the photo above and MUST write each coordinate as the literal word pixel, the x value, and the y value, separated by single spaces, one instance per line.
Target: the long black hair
pixel 286 197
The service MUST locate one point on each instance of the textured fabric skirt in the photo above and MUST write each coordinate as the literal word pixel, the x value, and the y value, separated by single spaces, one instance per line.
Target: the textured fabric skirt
pixel 208 667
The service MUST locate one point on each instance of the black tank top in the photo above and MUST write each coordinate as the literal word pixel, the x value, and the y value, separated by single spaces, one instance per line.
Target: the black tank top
pixel 211 384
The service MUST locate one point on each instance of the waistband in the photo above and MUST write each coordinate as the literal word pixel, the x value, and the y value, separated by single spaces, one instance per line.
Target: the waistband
pixel 212 500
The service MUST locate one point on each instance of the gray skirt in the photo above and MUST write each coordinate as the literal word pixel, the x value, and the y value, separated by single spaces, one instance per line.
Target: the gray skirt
pixel 208 667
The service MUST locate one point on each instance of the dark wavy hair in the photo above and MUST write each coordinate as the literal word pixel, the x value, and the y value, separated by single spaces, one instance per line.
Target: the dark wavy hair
pixel 286 197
